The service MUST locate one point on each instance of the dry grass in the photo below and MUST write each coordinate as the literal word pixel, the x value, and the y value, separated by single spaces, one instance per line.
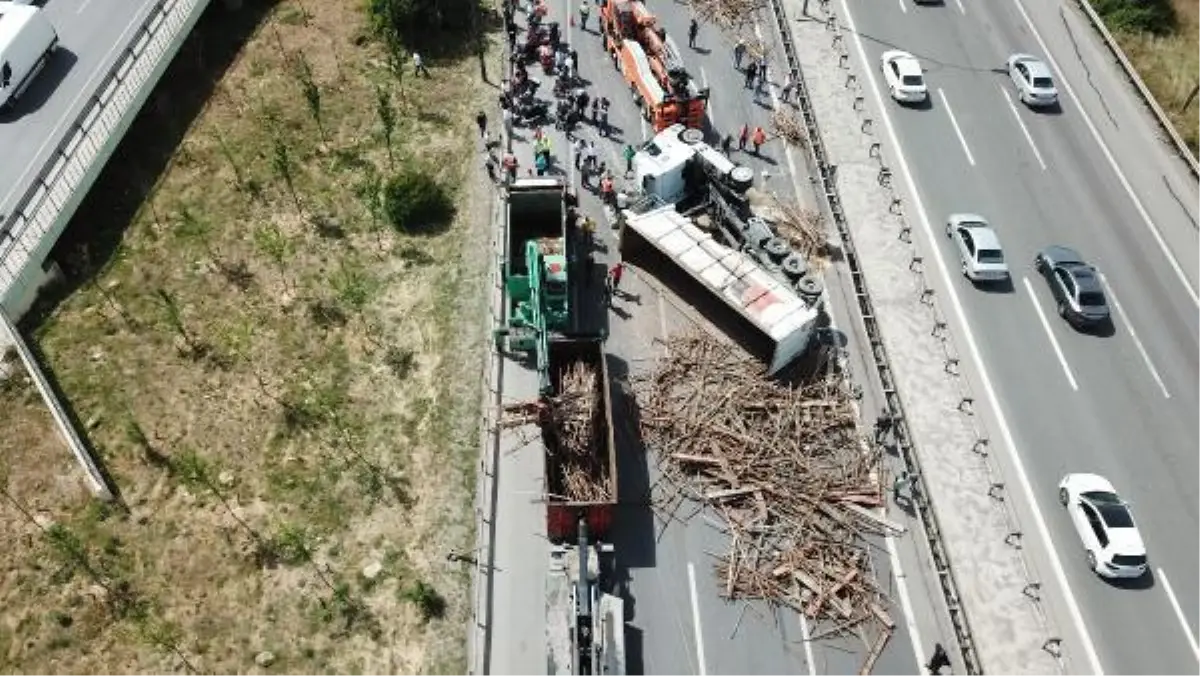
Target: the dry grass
pixel 308 407
pixel 1170 66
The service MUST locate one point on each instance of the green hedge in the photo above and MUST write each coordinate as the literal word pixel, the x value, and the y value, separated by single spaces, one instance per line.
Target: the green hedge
pixel 1149 16
pixel 415 202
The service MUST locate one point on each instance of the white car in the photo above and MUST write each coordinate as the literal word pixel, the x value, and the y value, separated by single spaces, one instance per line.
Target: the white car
pixel 980 256
pixel 1035 84
pixel 1105 524
pixel 904 77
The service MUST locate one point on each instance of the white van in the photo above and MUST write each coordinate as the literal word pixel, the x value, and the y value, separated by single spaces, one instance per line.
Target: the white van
pixel 26 42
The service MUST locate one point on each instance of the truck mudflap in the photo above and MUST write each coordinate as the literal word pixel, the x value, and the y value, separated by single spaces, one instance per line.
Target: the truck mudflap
pixel 562 519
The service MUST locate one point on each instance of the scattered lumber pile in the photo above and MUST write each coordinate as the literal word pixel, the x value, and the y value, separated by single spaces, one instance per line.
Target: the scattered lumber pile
pixel 789 127
pixel 572 427
pixel 733 16
pixel 804 229
pixel 786 470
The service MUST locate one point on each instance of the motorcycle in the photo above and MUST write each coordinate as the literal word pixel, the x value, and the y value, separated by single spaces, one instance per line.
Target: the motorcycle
pixel 530 112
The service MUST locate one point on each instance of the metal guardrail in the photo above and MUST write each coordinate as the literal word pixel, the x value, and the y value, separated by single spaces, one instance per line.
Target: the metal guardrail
pixel 1180 147
pixel 64 178
pixel 819 160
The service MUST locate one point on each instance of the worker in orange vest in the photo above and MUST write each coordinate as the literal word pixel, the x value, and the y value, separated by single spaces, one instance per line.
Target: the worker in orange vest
pixel 743 136
pixel 759 138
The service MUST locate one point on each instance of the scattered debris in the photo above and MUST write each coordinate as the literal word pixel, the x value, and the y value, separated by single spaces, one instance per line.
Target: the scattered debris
pixel 804 229
pixel 733 16
pixel 264 659
pixel 787 471
pixel 789 127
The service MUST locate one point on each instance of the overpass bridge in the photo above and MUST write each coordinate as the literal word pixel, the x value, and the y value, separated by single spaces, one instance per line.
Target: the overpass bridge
pixel 58 137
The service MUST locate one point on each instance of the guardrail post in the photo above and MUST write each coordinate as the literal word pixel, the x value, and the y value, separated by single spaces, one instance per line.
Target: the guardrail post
pixel 1032 590
pixel 927 298
pixel 916 264
pixel 981 447
pixel 996 491
pixel 1013 539
pixel 965 406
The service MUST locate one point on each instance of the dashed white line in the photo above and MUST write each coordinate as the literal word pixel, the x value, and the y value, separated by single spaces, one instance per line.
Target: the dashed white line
pixel 961 139
pixel 1133 334
pixel 1024 129
pixel 1053 341
pixel 1010 445
pixel 903 8
pixel 1137 203
pixel 1187 630
pixel 82 6
pixel 696 619
pixel 961 8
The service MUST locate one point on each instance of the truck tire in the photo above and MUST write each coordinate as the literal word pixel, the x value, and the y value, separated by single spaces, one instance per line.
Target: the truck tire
pixel 810 286
pixel 741 177
pixel 691 136
pixel 776 248
pixel 794 266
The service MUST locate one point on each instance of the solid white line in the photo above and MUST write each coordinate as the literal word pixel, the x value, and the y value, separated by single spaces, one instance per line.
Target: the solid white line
pixel 1187 630
pixel 961 8
pixel 910 620
pixel 696 619
pixel 1024 130
pixel 1010 445
pixel 1162 244
pixel 808 651
pixel 712 120
pixel 1053 341
pixel 961 139
pixel 902 7
pixel 1133 334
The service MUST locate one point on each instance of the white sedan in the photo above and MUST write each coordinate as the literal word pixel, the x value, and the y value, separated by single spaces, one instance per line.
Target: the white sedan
pixel 980 256
pixel 1105 525
pixel 1032 78
pixel 904 76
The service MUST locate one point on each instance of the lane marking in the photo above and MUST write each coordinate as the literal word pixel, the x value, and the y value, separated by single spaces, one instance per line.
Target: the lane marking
pixel 1187 630
pixel 82 6
pixel 910 620
pixel 696 619
pixel 902 7
pixel 961 8
pixel 712 119
pixel 1010 444
pixel 1024 129
pixel 1133 334
pixel 808 650
pixel 961 139
pixel 1053 341
pixel 1137 203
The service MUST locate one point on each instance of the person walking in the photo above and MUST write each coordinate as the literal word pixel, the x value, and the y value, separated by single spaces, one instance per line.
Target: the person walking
pixel 739 52
pixel 883 425
pixel 940 659
pixel 590 158
pixel 541 163
pixel 751 73
pixel 604 121
pixel 693 31
pixel 758 138
pixel 628 154
pixel 788 85
pixel 726 144
pixel 761 82
pixel 419 65
pixel 511 166
pixel 595 111
pixel 614 276
pixel 607 192
pixel 580 148
pixel 481 120
pixel 899 484
pixel 584 10
pixel 743 136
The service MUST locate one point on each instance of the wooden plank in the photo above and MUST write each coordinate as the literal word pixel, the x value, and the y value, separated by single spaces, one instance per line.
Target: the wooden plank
pixel 731 493
pixel 876 651
pixel 882 522
pixel 882 615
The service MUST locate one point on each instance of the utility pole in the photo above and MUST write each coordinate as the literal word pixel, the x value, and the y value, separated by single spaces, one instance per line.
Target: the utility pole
pixel 1190 97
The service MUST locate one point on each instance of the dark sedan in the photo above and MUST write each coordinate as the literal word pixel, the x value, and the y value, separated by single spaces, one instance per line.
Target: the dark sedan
pixel 1075 285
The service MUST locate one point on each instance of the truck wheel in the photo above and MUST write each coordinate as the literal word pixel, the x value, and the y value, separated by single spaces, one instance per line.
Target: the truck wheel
pixel 691 136
pixel 794 266
pixel 810 286
pixel 742 177
pixel 776 248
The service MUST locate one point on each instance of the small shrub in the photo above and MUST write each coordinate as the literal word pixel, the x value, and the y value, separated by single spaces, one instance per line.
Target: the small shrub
pixel 430 604
pixel 416 203
pixel 290 545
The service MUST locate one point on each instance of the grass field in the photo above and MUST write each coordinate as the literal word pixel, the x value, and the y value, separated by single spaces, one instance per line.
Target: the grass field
pixel 1170 66
pixel 283 388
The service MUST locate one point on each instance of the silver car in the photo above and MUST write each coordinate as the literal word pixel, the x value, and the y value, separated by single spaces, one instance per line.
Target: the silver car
pixel 979 252
pixel 1035 84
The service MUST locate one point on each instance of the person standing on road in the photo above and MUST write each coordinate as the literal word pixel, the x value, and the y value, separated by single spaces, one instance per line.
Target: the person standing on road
pixel 743 137
pixel 788 85
pixel 759 138
pixel 628 153
pixel 614 276
pixel 481 120
pixel 726 144
pixel 940 659
pixel 584 10
pixel 580 147
pixel 739 52
pixel 751 73
pixel 693 31
pixel 899 484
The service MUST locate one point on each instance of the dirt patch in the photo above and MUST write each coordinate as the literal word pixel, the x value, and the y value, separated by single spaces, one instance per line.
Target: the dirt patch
pixel 284 388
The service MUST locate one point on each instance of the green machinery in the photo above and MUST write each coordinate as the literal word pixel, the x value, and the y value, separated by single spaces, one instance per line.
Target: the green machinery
pixel 536 279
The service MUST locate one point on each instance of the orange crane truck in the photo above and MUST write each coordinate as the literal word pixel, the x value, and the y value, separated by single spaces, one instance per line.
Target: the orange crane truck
pixel 651 64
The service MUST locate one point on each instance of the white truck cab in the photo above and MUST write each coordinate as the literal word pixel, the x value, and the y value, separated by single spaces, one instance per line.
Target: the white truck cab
pixel 26 42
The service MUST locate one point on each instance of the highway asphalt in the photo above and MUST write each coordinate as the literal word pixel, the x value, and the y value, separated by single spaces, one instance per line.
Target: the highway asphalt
pixel 90 39
pixel 1121 405
pixel 669 580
